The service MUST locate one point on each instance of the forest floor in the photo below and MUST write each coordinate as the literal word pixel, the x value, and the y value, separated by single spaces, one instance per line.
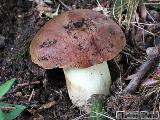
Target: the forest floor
pixel 36 87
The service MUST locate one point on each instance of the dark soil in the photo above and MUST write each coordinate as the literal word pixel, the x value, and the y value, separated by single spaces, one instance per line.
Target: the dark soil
pixel 19 22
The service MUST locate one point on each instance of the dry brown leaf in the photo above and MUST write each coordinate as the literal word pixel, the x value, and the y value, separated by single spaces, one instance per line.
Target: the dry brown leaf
pixel 155 78
pixel 130 77
pixel 156 75
pixel 18 94
pixel 47 105
pixel 143 10
pixel 137 35
pixel 152 50
pixel 40 117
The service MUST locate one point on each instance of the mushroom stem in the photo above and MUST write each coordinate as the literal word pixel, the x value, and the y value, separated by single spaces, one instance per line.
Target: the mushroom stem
pixel 84 82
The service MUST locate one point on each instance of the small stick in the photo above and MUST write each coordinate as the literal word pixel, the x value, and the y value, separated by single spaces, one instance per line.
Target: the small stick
pixel 31 95
pixel 66 6
pixel 5 108
pixel 26 84
pixel 142 71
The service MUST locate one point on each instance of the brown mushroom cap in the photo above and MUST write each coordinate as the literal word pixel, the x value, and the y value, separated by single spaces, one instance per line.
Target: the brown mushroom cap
pixel 77 38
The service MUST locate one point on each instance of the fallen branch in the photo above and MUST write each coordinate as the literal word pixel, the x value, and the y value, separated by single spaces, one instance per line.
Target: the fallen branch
pixel 142 71
pixel 153 80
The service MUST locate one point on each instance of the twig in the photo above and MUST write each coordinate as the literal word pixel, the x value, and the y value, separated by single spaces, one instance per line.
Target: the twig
pixel 142 71
pixel 132 57
pixel 5 108
pixel 104 115
pixel 144 30
pixel 151 3
pixel 26 84
pixel 80 117
pixel 66 6
pixel 32 93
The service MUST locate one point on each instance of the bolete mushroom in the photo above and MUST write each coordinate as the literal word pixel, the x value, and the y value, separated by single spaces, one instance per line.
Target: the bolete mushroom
pixel 79 41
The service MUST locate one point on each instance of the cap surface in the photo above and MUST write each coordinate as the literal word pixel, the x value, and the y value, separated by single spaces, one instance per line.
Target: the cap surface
pixel 77 38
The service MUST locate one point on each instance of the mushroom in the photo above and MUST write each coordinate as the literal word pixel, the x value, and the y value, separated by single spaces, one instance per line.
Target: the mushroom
pixel 79 41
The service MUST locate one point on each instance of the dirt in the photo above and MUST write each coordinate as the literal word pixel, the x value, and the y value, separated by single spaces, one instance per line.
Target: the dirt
pixel 19 22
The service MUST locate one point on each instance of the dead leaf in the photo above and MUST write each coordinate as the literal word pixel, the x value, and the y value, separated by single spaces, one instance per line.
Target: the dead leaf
pixel 18 94
pixel 40 117
pixel 101 8
pixel 156 74
pixel 130 77
pixel 143 10
pixel 47 105
pixel 155 78
pixel 152 51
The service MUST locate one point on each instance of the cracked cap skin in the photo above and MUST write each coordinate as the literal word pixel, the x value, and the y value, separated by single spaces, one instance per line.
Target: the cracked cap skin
pixel 77 38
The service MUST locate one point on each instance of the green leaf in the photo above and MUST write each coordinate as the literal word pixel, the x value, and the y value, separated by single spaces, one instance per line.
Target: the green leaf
pixel 1 115
pixel 119 6
pixel 5 87
pixel 131 7
pixel 97 108
pixel 11 114
pixel 125 8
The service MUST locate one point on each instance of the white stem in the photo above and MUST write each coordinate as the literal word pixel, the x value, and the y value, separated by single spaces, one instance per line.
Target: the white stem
pixel 84 82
